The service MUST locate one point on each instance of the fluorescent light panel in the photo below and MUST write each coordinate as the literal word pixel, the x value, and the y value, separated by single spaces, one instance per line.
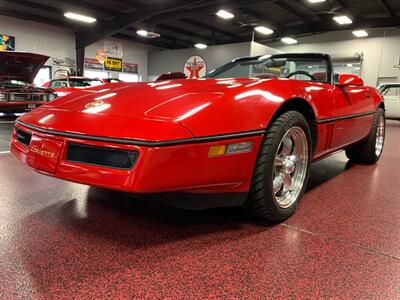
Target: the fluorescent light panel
pixel 200 46
pixel 343 20
pixel 142 32
pixel 264 30
pixel 225 14
pixel 78 17
pixel 289 40
pixel 316 1
pixel 360 33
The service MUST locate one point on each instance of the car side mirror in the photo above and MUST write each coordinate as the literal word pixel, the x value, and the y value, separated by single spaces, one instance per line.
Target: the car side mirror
pixel 349 79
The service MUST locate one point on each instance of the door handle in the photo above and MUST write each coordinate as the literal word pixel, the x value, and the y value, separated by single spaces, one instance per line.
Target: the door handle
pixel 368 95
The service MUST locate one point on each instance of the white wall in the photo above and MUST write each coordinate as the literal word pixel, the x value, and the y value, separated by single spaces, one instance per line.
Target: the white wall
pixel 56 41
pixel 381 50
pixel 39 38
pixel 163 61
pixel 132 53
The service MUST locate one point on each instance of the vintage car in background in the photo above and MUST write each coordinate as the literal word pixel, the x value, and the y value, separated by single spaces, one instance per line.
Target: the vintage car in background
pixel 17 72
pixel 243 136
pixel 391 96
pixel 66 85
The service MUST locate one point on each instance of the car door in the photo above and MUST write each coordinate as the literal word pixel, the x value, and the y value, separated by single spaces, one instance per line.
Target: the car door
pixel 391 97
pixel 354 114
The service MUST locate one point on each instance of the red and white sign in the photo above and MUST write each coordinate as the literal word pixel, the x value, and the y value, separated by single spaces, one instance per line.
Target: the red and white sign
pixel 195 67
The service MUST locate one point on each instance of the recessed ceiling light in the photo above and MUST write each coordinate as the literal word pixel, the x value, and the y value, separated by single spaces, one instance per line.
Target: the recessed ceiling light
pixel 225 14
pixel 289 40
pixel 264 30
pixel 201 46
pixel 78 17
pixel 343 20
pixel 316 1
pixel 360 33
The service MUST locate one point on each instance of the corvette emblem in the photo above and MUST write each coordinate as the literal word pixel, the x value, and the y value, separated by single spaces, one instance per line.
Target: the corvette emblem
pixel 93 104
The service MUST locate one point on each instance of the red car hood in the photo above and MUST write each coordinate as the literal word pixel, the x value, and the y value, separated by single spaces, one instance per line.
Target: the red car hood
pixel 20 66
pixel 147 111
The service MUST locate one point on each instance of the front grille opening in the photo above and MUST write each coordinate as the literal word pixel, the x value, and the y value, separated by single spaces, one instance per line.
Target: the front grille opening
pixel 104 157
pixel 24 137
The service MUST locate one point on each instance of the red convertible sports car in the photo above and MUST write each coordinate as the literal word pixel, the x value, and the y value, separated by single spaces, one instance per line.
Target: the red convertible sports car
pixel 246 133
pixel 17 72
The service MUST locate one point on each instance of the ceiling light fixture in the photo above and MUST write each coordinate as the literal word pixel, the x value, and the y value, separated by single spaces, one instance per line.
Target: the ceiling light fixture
pixel 147 34
pixel 360 33
pixel 78 17
pixel 316 1
pixel 200 46
pixel 288 40
pixel 343 20
pixel 225 14
pixel 264 30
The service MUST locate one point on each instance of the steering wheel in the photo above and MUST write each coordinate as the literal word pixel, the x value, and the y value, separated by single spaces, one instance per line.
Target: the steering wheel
pixel 313 78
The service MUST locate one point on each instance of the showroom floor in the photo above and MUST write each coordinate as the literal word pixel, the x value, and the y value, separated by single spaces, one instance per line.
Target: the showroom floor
pixel 64 239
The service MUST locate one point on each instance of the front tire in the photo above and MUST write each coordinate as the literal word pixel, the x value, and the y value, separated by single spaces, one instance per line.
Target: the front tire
pixel 370 150
pixel 282 169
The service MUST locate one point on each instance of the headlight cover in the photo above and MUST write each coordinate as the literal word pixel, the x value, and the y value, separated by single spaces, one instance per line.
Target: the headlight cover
pixel 3 97
pixel 52 96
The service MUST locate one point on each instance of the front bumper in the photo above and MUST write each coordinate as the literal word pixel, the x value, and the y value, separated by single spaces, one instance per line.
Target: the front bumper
pixel 173 168
pixel 19 107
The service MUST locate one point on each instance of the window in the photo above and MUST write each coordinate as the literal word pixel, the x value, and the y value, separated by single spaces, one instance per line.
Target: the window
pixel 84 82
pixel 300 67
pixel 56 84
pixel 391 91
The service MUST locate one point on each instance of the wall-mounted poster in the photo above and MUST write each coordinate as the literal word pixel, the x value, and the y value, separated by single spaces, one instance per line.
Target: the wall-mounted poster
pixel 64 62
pixel 113 64
pixel 130 68
pixel 7 42
pixel 195 67
pixel 113 49
pixel 93 64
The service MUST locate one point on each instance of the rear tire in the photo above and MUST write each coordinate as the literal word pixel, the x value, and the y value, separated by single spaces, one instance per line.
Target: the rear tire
pixel 370 150
pixel 282 169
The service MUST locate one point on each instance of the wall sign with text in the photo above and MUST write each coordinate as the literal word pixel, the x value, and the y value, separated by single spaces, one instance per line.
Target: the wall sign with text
pixel 195 67
pixel 113 64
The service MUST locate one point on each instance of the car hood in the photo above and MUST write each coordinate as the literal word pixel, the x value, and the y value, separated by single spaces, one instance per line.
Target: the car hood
pixel 153 111
pixel 20 66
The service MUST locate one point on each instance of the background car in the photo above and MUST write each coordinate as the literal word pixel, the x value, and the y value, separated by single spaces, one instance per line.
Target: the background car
pixel 391 95
pixel 17 72
pixel 66 85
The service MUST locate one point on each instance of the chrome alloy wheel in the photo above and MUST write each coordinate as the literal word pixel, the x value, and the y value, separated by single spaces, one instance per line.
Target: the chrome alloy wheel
pixel 380 136
pixel 290 167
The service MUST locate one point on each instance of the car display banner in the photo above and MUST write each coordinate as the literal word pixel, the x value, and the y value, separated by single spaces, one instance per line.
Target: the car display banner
pixel 93 64
pixel 130 68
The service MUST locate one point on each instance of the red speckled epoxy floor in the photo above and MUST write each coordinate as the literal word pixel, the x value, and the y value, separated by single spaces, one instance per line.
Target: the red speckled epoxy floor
pixel 63 240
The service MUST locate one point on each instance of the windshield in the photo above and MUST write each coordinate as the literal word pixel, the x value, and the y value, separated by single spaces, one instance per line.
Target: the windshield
pixel 84 82
pixel 13 83
pixel 278 66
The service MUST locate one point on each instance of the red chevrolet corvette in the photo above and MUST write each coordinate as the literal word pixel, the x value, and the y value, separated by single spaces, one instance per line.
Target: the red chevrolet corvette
pixel 246 133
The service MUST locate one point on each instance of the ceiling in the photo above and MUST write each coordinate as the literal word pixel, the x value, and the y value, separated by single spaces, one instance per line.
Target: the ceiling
pixel 182 23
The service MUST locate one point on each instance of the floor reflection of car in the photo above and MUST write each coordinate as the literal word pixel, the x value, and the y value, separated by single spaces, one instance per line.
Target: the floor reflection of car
pixel 17 72
pixel 391 95
pixel 67 85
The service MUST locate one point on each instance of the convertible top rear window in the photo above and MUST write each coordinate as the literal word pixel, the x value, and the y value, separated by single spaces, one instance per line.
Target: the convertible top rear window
pixel 307 67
